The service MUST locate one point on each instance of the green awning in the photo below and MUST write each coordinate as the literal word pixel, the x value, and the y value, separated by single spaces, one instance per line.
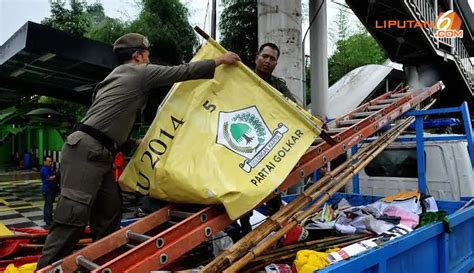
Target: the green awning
pixel 5 114
pixel 7 132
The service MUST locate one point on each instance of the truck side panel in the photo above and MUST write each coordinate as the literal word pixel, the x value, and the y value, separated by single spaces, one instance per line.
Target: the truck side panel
pixel 427 249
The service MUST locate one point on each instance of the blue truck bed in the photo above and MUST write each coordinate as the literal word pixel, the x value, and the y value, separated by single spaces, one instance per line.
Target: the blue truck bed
pixel 426 250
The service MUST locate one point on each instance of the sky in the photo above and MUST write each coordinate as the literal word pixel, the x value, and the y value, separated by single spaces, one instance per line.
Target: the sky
pixel 15 13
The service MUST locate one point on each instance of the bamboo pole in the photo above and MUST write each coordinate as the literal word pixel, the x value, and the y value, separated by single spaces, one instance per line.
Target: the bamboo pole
pixel 308 243
pixel 31 236
pixel 260 262
pixel 327 242
pixel 339 182
pixel 40 246
pixel 31 246
pixel 23 236
pixel 80 243
pixel 276 221
pixel 282 216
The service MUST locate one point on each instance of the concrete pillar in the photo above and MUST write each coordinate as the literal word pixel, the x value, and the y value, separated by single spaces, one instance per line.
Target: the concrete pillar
pixel 319 58
pixel 279 22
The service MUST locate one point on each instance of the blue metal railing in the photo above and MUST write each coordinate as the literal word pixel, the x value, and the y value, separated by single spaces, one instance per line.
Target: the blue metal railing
pixel 420 139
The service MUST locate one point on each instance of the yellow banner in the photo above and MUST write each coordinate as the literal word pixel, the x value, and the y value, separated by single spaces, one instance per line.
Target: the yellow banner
pixel 230 140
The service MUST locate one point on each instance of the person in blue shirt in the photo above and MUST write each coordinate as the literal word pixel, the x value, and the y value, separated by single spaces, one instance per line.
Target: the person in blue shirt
pixel 49 188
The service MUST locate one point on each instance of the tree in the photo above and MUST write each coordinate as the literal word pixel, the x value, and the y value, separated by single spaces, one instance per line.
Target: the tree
pixel 108 30
pixel 103 28
pixel 73 21
pixel 81 20
pixel 85 20
pixel 343 32
pixel 353 49
pixel 341 28
pixel 239 29
pixel 165 23
pixel 359 49
pixel 95 13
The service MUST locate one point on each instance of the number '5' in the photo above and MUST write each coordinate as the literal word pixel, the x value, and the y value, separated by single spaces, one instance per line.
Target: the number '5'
pixel 210 107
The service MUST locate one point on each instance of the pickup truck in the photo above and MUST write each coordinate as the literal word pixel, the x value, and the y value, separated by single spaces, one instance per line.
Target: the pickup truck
pixel 448 169
pixel 449 176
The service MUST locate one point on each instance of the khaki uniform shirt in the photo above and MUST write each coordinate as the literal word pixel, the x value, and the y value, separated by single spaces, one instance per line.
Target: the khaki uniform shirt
pixel 280 85
pixel 126 90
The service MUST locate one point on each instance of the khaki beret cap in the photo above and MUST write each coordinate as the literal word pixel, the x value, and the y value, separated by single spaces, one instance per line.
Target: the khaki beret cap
pixel 131 40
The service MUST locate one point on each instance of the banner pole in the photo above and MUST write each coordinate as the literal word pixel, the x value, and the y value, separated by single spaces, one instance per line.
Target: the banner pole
pixel 201 32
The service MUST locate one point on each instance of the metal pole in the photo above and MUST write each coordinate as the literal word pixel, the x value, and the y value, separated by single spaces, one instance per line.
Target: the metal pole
pixel 355 178
pixel 303 76
pixel 468 128
pixel 213 20
pixel 319 58
pixel 420 154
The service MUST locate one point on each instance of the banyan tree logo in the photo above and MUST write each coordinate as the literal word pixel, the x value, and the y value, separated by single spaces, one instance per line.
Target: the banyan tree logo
pixel 245 133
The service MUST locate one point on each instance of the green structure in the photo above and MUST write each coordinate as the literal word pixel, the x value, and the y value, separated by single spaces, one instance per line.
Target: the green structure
pixel 30 128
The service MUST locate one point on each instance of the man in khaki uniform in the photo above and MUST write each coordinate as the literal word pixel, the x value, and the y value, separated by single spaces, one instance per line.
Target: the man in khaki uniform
pixel 265 62
pixel 89 193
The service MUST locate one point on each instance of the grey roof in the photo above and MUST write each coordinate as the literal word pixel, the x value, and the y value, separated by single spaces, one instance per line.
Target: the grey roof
pixel 354 88
pixel 41 60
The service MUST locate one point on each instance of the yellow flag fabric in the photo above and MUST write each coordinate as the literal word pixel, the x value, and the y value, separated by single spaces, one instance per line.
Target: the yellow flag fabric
pixel 4 231
pixel 26 268
pixel 231 140
pixel 308 261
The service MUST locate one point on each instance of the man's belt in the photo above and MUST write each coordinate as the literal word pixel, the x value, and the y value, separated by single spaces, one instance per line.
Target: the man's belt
pixel 106 141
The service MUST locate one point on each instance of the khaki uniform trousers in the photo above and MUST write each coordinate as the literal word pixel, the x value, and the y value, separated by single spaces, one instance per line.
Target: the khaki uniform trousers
pixel 89 194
